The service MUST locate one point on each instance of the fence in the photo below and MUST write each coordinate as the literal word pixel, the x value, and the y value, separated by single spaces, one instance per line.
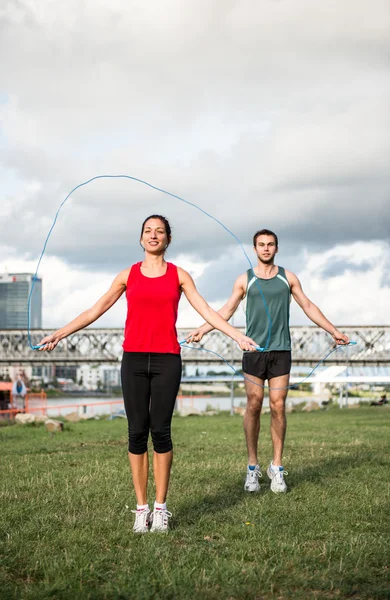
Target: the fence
pixel 31 403
pixel 36 403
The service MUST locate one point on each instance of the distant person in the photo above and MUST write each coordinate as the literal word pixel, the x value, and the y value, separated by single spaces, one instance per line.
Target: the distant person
pixel 3 401
pixel 19 392
pixel 383 400
pixel 151 364
pixel 277 285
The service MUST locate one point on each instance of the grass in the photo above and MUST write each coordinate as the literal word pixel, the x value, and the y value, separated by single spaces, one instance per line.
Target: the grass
pixel 66 521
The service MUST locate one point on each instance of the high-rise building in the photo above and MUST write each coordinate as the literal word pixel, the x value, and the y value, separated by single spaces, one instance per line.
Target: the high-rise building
pixel 15 289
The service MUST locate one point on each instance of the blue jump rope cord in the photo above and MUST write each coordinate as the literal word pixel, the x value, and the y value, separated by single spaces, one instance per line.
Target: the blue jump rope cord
pixel 258 348
pixel 168 194
pixel 184 345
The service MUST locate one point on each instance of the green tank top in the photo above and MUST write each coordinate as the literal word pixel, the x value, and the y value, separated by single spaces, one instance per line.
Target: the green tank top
pixel 277 295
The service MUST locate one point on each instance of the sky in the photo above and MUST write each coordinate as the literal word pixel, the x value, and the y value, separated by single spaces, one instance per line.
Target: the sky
pixel 264 113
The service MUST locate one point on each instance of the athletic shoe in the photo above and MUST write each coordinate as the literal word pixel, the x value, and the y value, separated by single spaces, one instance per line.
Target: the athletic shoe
pixel 159 519
pixel 276 475
pixel 252 479
pixel 142 520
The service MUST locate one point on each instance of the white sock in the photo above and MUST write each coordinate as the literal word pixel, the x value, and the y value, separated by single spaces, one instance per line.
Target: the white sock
pixel 160 506
pixel 142 506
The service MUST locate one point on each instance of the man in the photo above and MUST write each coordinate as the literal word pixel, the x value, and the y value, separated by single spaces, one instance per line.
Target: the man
pixel 268 289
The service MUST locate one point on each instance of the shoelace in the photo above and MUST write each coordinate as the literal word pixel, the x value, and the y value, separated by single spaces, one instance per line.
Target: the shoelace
pixel 141 517
pixel 254 474
pixel 280 474
pixel 161 516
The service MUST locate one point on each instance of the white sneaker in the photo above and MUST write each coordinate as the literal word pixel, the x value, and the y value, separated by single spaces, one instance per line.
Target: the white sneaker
pixel 252 479
pixel 276 475
pixel 159 519
pixel 142 520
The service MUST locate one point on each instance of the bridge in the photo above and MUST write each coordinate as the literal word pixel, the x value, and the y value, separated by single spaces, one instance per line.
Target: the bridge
pixel 104 346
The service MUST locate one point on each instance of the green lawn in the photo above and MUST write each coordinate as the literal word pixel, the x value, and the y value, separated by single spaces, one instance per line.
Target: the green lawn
pixel 66 525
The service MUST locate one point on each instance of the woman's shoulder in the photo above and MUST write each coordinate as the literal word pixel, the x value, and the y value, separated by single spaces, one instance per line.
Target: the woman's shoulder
pixel 174 268
pixel 183 275
pixel 124 275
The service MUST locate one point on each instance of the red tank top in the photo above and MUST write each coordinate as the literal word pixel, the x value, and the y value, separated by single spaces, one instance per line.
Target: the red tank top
pixel 152 304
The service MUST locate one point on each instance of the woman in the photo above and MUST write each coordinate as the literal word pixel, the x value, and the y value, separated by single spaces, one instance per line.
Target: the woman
pixel 151 364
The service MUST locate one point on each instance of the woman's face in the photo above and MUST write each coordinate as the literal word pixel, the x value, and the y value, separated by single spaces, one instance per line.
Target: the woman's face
pixel 154 236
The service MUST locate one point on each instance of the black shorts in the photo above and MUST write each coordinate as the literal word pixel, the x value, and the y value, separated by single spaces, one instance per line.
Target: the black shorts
pixel 267 365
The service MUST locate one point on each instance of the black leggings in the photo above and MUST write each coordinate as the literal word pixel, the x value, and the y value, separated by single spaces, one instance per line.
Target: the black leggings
pixel 150 382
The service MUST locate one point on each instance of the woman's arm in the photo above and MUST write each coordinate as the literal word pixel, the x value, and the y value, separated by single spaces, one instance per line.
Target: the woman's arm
pixel 210 315
pixel 87 317
pixel 227 310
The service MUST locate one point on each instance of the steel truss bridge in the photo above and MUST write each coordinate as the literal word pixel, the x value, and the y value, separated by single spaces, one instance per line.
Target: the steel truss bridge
pixel 104 346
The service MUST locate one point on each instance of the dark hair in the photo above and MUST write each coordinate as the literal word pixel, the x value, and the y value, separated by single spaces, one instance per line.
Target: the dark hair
pixel 265 232
pixel 164 220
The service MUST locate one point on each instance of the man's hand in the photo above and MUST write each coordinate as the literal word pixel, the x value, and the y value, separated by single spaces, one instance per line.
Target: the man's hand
pixel 340 338
pixel 195 336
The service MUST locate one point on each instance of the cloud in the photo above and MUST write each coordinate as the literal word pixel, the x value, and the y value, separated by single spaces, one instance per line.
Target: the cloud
pixel 339 266
pixel 351 296
pixel 271 114
pixel 385 278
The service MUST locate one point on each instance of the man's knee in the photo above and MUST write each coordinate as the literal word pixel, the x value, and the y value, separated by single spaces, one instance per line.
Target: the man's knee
pixel 161 438
pixel 278 406
pixel 254 404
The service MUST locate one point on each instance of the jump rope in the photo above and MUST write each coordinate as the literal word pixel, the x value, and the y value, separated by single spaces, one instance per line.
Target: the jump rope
pixel 184 342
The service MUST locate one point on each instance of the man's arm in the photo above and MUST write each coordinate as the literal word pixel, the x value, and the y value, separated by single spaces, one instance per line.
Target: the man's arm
pixel 312 311
pixel 210 315
pixel 227 310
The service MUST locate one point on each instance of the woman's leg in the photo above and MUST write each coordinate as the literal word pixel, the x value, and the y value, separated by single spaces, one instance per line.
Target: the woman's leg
pixel 136 395
pixel 166 375
pixel 162 464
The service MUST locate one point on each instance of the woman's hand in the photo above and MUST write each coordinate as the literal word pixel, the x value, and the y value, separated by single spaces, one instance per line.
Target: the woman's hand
pixel 246 343
pixel 49 342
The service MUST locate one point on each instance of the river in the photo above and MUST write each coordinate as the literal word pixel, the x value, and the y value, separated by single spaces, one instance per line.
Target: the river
pixel 90 407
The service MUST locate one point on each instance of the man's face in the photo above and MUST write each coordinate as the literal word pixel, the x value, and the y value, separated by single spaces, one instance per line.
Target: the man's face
pixel 266 249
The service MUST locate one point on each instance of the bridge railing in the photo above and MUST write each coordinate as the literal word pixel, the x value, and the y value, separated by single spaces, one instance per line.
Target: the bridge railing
pixel 103 346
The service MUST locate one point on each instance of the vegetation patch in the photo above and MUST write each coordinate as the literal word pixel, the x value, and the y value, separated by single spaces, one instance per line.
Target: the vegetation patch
pixel 66 521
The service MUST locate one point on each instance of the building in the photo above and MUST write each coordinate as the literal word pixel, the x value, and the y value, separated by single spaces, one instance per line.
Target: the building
pixel 15 289
pixel 41 374
pixel 98 377
pixel 66 372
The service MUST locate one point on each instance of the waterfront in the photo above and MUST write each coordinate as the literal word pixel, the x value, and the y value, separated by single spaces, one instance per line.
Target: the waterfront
pixel 89 407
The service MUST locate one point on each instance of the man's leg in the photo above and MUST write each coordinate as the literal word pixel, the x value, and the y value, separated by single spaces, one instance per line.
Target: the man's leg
pixel 254 387
pixel 255 394
pixel 278 388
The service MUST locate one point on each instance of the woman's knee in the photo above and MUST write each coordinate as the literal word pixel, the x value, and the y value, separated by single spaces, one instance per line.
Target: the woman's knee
pixel 138 441
pixel 161 439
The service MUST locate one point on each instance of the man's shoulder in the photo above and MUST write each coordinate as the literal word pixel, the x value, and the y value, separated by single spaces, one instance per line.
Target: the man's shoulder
pixel 242 279
pixel 290 276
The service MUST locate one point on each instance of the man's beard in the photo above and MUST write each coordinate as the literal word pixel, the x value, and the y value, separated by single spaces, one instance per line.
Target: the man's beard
pixel 266 261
